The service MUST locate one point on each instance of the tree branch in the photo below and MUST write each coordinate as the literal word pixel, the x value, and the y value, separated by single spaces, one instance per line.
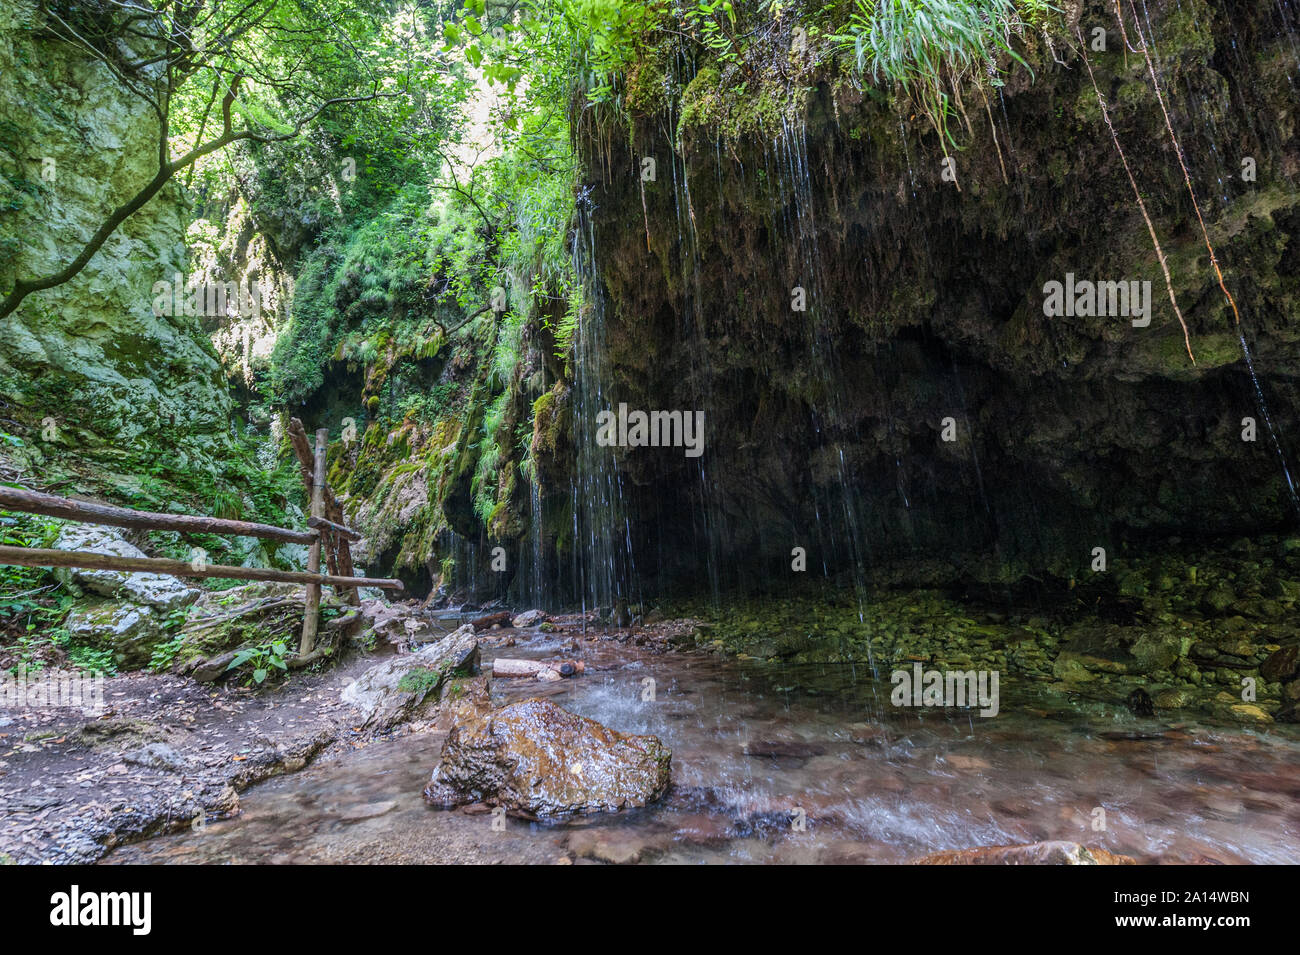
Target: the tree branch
pixel 166 170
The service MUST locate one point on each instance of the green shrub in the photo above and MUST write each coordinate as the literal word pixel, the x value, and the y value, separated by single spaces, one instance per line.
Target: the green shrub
pixel 929 47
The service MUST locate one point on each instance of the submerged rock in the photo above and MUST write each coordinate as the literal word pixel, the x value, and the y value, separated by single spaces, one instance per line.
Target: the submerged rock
pixel 399 686
pixel 537 759
pixel 621 846
pixel 369 810
pixel 1034 853
pixel 777 748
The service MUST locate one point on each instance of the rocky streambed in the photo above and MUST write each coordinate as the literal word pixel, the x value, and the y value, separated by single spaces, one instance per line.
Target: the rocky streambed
pixel 789 762
pixel 1210 632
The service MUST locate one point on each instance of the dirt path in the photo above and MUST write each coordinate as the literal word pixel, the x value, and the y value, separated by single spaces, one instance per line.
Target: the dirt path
pixel 166 752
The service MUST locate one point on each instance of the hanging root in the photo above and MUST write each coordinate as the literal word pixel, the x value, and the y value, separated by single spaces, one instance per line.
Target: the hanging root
pixel 993 128
pixel 1155 241
pixel 645 212
pixel 1178 151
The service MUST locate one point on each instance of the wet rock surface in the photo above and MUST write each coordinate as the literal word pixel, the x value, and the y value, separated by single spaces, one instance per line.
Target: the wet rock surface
pixel 398 687
pixel 166 754
pixel 1038 853
pixel 1068 435
pixel 537 759
pixel 529 618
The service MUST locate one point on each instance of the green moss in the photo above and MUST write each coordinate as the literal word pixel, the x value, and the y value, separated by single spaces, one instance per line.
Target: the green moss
pixel 701 100
pixel 1212 350
pixel 422 681
pixel 549 420
pixel 708 104
pixel 646 87
pixel 1135 96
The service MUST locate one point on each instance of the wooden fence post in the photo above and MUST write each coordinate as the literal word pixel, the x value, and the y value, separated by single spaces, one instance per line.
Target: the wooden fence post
pixel 312 612
pixel 350 594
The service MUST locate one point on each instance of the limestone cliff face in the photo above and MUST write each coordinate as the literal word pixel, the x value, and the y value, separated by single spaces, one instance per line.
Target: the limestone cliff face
pixel 922 310
pixel 116 379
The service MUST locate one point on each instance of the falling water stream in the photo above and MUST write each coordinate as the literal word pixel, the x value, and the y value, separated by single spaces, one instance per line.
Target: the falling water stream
pixel 604 571
pixel 754 743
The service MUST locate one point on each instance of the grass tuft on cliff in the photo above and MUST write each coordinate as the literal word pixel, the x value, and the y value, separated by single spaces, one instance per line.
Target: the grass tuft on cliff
pixel 929 47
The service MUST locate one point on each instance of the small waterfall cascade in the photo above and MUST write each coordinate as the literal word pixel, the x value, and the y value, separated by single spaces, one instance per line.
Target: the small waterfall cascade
pixel 604 572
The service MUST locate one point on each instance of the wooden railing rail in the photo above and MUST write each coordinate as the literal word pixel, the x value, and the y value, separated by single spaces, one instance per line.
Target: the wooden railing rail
pixel 326 535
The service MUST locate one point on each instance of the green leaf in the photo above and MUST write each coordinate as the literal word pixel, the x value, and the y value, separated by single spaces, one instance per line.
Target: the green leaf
pixel 240 658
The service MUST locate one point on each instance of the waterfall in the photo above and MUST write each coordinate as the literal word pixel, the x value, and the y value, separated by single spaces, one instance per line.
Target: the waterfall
pixel 707 518
pixel 795 198
pixel 603 567
pixel 528 589
pixel 1268 421
pixel 535 577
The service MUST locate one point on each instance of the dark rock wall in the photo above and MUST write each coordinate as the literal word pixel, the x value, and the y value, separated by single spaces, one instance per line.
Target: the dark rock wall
pixel 925 302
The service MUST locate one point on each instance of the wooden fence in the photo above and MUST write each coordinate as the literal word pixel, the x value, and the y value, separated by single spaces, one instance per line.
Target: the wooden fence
pixel 325 534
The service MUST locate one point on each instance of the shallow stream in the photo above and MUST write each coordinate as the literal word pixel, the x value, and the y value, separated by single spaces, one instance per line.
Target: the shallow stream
pixel 788 764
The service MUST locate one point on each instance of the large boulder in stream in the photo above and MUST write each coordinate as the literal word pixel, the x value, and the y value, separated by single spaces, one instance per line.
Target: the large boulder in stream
pixel 398 687
pixel 537 759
